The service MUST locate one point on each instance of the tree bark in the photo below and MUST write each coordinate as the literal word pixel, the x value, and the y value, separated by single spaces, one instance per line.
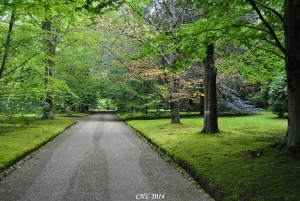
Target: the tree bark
pixel 201 105
pixel 210 93
pixel 174 101
pixel 175 118
pixel 7 43
pixel 292 67
pixel 49 49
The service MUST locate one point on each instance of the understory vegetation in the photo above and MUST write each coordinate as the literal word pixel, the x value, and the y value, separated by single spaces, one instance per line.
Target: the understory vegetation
pixel 239 163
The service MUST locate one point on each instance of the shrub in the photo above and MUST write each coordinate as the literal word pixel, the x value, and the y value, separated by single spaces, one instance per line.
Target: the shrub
pixel 258 98
pixel 278 103
pixel 229 101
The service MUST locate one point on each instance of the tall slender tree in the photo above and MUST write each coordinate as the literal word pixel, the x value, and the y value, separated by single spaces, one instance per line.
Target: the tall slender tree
pixel 174 101
pixel 8 38
pixel 50 43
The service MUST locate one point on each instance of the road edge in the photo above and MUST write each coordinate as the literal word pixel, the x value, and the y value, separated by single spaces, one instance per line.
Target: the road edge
pixel 30 154
pixel 174 164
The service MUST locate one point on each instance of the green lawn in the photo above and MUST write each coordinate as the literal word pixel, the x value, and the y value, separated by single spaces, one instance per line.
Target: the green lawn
pixel 18 139
pixel 222 161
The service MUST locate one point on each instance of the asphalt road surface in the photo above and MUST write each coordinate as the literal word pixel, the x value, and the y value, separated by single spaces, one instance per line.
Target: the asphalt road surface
pixel 99 158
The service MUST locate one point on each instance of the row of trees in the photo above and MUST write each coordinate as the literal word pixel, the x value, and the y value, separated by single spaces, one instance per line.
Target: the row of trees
pixel 68 54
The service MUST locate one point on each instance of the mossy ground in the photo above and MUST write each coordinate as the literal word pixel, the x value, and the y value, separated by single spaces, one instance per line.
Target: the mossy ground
pixel 223 161
pixel 77 114
pixel 24 135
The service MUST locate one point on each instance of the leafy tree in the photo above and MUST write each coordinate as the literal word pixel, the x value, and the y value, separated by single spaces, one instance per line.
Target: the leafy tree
pixel 272 27
pixel 20 82
pixel 143 47
pixel 28 80
pixel 128 94
pixel 78 71
pixel 279 29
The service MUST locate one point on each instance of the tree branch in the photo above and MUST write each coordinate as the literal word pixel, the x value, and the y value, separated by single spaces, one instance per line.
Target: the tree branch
pixel 34 20
pixel 267 25
pixel 137 76
pixel 181 14
pixel 23 63
pixel 7 43
pixel 149 21
pixel 277 14
pixel 167 8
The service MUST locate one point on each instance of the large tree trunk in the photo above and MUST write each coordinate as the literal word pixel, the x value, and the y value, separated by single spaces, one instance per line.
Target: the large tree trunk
pixel 49 49
pixel 210 94
pixel 174 99
pixel 7 43
pixel 48 106
pixel 292 66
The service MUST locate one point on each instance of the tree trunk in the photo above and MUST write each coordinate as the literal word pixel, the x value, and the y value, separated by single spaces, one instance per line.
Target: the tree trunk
pixel 174 99
pixel 7 43
pixel 201 105
pixel 292 67
pixel 48 107
pixel 49 49
pixel 210 94
pixel 83 108
pixel 175 118
pixel 174 103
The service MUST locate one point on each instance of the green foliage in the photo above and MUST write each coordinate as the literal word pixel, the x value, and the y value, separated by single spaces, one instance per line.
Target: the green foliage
pixel 100 6
pixel 224 160
pixel 278 103
pixel 258 98
pixel 78 73
pixel 127 94
pixel 25 83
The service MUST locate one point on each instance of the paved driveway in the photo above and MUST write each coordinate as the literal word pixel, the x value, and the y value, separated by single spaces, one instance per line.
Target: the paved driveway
pixel 99 158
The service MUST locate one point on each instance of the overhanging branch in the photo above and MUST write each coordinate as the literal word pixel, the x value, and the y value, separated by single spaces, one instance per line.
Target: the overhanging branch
pixel 267 25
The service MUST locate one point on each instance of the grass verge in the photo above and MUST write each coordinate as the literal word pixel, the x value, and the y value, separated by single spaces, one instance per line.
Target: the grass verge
pixel 153 114
pixel 18 140
pixel 236 164
pixel 78 114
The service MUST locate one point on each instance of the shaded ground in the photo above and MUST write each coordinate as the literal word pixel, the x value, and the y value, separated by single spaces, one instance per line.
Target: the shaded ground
pixel 97 159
